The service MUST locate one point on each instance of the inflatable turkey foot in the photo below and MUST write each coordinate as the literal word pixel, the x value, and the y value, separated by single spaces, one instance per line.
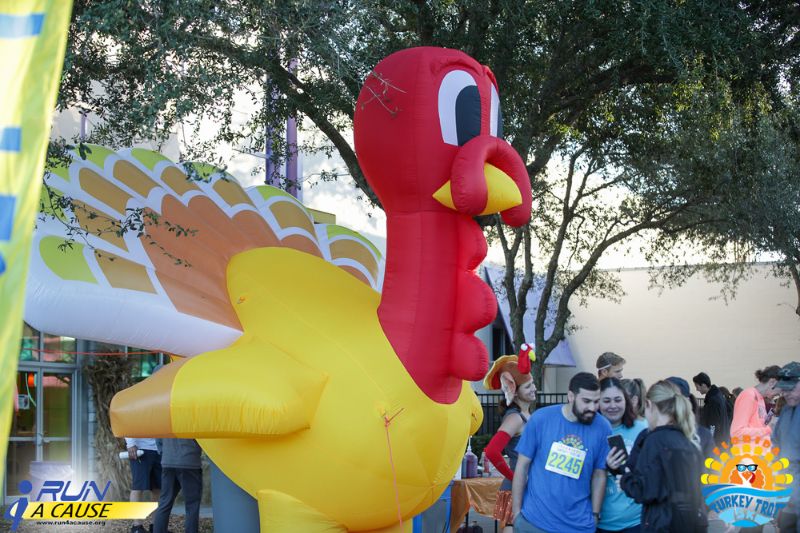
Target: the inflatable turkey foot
pixel 281 513
pixel 405 527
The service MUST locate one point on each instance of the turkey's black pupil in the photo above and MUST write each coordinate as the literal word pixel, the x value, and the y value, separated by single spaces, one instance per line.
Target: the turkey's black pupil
pixel 468 114
pixel 499 123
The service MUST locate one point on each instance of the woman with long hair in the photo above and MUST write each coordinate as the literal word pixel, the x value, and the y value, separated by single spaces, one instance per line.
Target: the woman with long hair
pixel 512 375
pixel 635 389
pixel 666 477
pixel 619 512
pixel 750 416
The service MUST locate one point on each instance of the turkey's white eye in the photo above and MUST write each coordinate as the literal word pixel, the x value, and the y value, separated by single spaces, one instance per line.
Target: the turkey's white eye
pixel 459 108
pixel 496 115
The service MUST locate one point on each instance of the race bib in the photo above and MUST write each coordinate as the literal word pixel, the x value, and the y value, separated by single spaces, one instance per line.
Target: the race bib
pixel 565 460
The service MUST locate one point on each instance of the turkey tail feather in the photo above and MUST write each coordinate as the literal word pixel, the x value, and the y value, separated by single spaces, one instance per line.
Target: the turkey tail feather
pixel 139 255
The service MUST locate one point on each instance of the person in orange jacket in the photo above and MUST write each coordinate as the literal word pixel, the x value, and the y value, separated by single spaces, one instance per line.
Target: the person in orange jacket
pixel 750 416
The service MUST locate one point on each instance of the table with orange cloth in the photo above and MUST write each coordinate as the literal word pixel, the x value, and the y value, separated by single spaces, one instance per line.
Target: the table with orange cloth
pixel 480 493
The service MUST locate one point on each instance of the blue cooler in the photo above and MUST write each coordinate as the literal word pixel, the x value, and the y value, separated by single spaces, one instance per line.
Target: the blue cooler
pixel 436 517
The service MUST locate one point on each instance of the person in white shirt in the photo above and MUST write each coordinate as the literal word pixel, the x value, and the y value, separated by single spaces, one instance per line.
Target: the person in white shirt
pixel 145 472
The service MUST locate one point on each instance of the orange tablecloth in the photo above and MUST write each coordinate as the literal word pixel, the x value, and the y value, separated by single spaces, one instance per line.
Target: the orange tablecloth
pixel 480 493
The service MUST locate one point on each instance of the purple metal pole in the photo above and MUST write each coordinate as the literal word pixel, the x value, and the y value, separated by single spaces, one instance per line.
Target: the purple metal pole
pixel 293 185
pixel 271 176
pixel 291 158
pixel 83 125
pixel 269 169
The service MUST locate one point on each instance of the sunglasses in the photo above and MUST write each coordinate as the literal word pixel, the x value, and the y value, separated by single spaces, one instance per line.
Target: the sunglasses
pixel 742 468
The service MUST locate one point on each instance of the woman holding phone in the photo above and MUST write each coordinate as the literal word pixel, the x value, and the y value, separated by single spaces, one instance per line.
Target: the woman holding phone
pixel 619 512
pixel 666 476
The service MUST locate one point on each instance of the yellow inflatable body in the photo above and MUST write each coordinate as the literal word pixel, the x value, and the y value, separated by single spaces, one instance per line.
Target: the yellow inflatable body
pixel 288 380
pixel 348 426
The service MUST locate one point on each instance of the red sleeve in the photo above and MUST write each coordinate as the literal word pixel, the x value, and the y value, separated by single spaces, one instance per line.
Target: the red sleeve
pixel 494 452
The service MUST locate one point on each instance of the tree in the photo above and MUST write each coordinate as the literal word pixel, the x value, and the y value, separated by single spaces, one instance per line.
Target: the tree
pixel 107 375
pixel 759 217
pixel 586 82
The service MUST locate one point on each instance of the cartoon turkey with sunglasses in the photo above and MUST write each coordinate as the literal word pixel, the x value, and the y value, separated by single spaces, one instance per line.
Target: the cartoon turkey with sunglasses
pixel 747 474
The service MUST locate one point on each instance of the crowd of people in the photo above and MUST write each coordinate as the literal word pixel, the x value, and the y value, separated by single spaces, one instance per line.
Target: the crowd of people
pixel 622 457
pixel 617 457
pixel 165 468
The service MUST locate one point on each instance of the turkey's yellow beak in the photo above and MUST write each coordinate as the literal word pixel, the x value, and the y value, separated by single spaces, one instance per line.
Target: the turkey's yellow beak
pixel 503 192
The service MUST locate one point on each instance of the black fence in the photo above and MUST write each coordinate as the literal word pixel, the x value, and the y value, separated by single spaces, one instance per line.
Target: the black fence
pixel 492 416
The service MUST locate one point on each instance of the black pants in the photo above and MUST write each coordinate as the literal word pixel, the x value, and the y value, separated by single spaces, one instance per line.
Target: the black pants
pixel 788 522
pixel 190 481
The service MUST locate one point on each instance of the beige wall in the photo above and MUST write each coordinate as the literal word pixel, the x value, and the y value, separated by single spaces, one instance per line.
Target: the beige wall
pixel 682 332
pixel 67 125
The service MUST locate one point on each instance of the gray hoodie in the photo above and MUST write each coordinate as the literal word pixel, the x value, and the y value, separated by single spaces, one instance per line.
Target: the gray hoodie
pixel 180 453
pixel 787 437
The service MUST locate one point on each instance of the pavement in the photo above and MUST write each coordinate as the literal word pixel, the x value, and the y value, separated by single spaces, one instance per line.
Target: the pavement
pixel 487 523
pixel 206 511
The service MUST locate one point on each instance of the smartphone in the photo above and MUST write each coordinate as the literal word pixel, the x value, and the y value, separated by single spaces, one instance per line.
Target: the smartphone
pixel 616 441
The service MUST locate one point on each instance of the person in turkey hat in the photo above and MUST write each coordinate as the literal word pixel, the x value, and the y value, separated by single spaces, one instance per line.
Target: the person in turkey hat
pixel 512 375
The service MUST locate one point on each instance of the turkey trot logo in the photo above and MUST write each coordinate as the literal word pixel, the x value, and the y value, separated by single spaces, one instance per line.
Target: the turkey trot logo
pixel 746 482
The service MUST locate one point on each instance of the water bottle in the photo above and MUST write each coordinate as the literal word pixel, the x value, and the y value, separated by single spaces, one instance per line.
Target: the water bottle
pixel 124 455
pixel 470 462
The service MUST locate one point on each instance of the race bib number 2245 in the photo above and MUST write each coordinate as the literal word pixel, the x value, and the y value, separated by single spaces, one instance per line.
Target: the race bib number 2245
pixel 565 460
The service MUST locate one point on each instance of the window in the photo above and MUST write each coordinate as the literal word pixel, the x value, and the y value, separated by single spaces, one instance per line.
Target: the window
pixel 144 363
pixel 58 349
pixel 46 348
pixel 29 347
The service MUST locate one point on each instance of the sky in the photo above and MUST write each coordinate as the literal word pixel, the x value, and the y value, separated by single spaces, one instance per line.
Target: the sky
pixel 340 197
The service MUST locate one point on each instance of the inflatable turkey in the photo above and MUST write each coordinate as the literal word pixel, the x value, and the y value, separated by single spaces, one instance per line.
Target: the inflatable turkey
pixel 338 407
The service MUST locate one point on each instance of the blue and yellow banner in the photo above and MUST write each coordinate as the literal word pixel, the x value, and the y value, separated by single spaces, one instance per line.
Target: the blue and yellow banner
pixel 33 36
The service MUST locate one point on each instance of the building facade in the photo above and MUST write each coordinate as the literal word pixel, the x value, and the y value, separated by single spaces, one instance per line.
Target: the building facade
pixel 53 426
pixel 689 329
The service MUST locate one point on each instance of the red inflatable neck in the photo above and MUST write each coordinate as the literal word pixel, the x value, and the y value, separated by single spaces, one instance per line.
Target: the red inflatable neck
pixel 432 301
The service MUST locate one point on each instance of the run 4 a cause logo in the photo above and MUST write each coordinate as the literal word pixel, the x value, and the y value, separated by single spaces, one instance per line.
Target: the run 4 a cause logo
pixel 747 483
pixel 62 502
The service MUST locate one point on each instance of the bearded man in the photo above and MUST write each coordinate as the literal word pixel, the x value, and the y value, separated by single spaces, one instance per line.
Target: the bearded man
pixel 560 479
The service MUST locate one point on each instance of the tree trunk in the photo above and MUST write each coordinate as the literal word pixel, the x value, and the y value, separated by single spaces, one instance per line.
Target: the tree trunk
pixel 108 375
pixel 795 280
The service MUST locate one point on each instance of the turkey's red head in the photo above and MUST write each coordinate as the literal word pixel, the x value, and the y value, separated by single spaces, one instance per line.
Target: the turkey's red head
pixel 428 129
